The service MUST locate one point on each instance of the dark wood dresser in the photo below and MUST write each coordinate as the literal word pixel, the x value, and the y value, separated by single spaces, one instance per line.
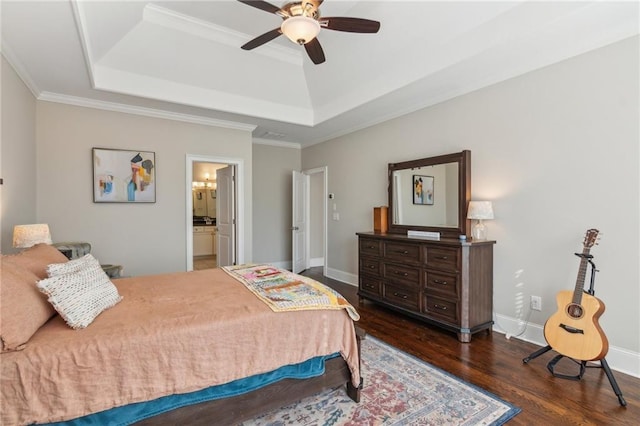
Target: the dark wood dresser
pixel 447 283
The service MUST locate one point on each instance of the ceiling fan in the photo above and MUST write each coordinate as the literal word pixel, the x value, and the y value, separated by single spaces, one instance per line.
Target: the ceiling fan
pixel 302 23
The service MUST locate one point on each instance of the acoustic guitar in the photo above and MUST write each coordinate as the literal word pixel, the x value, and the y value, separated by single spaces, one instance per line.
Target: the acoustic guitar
pixel 573 331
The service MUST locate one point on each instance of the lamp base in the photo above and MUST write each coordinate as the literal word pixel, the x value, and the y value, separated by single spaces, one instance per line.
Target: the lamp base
pixel 479 231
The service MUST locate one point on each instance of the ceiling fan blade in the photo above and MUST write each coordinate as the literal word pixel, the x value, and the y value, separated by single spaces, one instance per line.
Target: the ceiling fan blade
pixel 315 52
pixel 351 25
pixel 262 5
pixel 260 40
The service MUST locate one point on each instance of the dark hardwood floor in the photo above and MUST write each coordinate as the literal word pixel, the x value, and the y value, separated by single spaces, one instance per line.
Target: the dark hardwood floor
pixel 495 364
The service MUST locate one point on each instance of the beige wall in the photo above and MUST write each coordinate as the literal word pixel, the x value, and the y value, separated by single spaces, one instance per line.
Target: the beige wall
pixel 272 167
pixel 556 150
pixel 144 238
pixel 17 155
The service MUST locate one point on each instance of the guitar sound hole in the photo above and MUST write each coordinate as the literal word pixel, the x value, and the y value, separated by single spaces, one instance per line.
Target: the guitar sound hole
pixel 575 311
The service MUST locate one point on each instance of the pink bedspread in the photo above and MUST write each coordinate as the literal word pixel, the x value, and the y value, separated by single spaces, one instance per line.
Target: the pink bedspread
pixel 172 333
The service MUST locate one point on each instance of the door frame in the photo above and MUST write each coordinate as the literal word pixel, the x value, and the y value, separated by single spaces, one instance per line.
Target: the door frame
pixel 325 212
pixel 239 197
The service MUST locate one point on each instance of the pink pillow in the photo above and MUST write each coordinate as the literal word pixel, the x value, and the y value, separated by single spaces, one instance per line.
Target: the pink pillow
pixel 37 258
pixel 23 309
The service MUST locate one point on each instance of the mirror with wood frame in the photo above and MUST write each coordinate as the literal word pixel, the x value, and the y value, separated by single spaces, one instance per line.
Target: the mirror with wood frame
pixel 431 194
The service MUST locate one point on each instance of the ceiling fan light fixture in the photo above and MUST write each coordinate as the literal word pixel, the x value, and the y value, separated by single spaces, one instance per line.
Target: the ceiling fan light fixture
pixel 300 29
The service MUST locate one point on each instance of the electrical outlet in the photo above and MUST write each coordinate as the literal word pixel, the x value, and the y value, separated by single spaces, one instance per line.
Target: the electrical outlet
pixel 536 303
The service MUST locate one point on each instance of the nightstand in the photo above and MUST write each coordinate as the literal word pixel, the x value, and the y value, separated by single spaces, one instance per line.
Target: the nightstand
pixel 73 250
pixel 112 271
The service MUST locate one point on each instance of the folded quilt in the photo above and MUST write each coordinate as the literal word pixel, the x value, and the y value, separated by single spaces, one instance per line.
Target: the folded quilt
pixel 284 291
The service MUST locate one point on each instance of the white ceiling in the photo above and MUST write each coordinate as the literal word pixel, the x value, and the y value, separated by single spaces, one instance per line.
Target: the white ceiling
pixel 182 59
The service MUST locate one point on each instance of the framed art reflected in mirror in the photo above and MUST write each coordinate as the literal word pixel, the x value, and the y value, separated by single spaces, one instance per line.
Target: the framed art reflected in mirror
pixel 422 190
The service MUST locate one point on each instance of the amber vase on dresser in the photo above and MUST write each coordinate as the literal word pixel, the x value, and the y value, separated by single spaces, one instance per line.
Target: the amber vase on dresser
pixel 447 282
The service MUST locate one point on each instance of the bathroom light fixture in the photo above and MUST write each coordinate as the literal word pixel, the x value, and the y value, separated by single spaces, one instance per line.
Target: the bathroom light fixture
pixel 479 210
pixel 25 236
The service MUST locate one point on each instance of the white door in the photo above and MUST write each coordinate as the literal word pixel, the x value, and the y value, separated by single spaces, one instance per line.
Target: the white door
pixel 225 216
pixel 300 214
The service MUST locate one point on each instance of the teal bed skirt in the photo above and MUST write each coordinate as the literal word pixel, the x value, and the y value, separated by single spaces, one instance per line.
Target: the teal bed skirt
pixel 136 412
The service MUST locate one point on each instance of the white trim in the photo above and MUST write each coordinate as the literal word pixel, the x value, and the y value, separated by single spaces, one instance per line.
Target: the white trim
pixel 285 264
pixel 240 174
pixel 20 69
pixel 280 144
pixel 619 359
pixel 316 261
pixel 344 277
pixel 147 112
pixel 171 19
pixel 325 196
pixel 83 34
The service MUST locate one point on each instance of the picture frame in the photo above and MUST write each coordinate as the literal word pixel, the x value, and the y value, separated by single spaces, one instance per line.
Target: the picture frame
pixel 123 176
pixel 422 187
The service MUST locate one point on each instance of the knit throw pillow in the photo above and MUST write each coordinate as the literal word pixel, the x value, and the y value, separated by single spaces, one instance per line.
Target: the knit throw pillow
pixel 79 290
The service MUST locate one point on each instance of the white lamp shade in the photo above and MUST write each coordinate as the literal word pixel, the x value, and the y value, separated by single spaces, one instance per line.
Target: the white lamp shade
pixel 25 236
pixel 480 210
pixel 300 29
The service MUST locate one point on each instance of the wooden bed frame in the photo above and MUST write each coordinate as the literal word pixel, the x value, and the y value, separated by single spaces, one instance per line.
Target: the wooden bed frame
pixel 234 410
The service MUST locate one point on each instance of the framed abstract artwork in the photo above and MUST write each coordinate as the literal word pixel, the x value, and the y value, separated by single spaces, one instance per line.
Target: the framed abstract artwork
pixel 124 176
pixel 422 190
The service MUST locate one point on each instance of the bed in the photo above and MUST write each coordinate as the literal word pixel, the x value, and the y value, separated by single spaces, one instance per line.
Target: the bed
pixel 170 336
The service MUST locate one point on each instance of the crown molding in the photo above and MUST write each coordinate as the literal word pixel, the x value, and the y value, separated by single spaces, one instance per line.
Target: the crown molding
pixel 20 69
pixel 281 144
pixel 147 112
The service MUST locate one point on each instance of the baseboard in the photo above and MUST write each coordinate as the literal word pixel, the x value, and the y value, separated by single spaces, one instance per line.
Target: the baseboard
pixel 282 265
pixel 342 276
pixel 317 261
pixel 619 359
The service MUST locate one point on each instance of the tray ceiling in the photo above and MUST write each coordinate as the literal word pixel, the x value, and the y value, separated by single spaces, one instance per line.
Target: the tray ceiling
pixel 182 59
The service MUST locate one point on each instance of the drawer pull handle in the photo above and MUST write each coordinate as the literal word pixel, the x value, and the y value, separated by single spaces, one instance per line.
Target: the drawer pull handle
pixel 442 257
pixel 442 308
pixel 404 296
pixel 402 251
pixel 372 267
pixel 440 282
pixel 404 274
pixel 371 247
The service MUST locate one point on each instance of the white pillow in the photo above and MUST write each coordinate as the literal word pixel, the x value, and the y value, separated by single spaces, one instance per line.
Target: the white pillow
pixel 79 290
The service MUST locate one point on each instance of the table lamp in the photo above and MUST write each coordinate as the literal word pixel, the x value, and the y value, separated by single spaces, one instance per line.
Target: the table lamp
pixel 25 236
pixel 479 210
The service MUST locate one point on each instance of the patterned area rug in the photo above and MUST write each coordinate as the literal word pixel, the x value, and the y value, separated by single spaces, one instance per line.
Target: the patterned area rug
pixel 399 389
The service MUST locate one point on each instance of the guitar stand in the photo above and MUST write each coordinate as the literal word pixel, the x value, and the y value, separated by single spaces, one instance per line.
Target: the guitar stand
pixel 583 364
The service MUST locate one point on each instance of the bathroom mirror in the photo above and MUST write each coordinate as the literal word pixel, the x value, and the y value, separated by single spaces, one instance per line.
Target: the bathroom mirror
pixel 431 194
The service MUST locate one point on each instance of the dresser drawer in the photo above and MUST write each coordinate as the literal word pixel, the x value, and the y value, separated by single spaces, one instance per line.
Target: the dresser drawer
pixel 406 276
pixel 447 284
pixel 406 253
pixel 371 285
pixel 402 297
pixel 441 308
pixel 370 266
pixel 442 258
pixel 370 247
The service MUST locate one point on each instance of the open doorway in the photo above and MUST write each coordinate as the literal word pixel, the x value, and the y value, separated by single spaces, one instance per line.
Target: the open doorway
pixel 309 217
pixel 204 214
pixel 214 202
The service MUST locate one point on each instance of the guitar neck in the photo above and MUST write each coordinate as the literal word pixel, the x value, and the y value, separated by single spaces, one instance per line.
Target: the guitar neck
pixel 582 274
